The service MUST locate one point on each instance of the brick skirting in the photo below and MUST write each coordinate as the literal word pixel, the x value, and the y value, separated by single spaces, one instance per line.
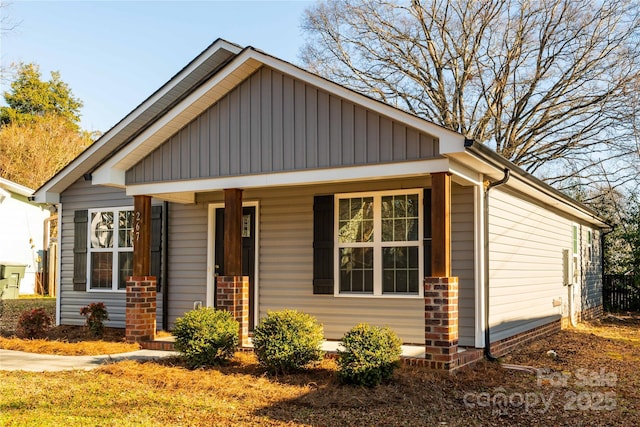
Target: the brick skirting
pixel 592 313
pixel 507 345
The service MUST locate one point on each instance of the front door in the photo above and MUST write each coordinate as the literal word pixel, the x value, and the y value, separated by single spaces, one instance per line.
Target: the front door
pixel 248 251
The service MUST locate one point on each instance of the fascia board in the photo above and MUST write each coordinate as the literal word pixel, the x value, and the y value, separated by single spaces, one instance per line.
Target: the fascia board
pixel 188 109
pixel 93 154
pixel 16 188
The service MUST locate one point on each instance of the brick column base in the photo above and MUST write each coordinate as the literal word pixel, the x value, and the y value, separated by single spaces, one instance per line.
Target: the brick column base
pixel 441 322
pixel 232 294
pixel 140 313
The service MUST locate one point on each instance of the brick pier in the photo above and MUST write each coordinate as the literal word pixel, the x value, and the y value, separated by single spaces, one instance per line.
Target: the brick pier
pixel 441 322
pixel 232 294
pixel 140 314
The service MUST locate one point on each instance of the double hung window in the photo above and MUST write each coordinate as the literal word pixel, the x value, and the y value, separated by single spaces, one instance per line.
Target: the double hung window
pixel 111 234
pixel 379 243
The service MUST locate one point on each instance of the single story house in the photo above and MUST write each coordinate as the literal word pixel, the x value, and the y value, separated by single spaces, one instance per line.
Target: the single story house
pixel 22 225
pixel 248 183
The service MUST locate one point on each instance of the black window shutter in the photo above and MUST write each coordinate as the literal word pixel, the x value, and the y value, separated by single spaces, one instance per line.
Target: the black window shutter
pixel 80 223
pixel 323 262
pixel 426 213
pixel 156 245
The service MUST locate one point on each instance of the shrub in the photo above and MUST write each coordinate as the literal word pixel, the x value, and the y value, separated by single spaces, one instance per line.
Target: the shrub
pixel 288 340
pixel 95 314
pixel 370 355
pixel 12 309
pixel 33 324
pixel 206 337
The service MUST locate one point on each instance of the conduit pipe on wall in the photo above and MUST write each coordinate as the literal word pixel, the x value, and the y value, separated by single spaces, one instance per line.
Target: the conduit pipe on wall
pixel 487 329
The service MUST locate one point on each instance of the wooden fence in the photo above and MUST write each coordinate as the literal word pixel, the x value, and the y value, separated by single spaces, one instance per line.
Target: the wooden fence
pixel 621 293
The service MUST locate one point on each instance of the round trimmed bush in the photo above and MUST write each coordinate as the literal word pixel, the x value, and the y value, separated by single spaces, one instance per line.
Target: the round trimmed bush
pixel 206 337
pixel 370 355
pixel 288 340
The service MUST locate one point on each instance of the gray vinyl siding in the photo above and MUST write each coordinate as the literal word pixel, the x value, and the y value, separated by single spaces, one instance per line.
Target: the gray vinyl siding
pixel 82 195
pixel 187 258
pixel 286 269
pixel 526 266
pixel 273 123
pixel 463 260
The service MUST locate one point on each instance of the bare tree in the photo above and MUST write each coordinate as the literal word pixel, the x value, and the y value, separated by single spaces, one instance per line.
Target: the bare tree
pixel 549 84
pixel 6 23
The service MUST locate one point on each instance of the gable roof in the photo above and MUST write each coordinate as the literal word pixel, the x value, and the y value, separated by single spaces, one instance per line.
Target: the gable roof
pixel 200 69
pixel 208 77
pixel 214 73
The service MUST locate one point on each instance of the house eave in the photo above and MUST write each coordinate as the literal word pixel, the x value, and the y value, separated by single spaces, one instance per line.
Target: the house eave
pixel 140 118
pixel 492 164
pixel 14 187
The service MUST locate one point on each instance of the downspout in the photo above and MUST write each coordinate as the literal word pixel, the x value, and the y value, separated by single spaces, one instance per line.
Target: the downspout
pixel 487 329
pixel 165 267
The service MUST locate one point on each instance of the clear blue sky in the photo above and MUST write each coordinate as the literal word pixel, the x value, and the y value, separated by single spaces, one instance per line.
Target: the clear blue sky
pixel 114 54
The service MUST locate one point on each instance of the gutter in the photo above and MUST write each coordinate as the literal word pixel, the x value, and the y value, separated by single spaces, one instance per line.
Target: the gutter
pixel 487 329
pixel 487 155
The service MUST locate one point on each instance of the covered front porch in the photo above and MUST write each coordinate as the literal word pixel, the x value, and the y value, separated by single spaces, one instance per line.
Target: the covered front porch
pixel 439 298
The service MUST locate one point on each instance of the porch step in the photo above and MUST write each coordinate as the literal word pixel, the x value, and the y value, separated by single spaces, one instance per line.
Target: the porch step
pixel 164 344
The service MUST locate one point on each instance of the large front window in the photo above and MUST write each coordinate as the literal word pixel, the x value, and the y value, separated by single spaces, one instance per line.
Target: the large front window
pixel 378 243
pixel 110 248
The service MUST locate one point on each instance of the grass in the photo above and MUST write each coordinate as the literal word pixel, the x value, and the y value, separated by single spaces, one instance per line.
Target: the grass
pixel 62 348
pixel 71 341
pixel 166 393
pixel 35 296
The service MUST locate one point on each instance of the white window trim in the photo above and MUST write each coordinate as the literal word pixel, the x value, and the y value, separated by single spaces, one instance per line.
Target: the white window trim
pixel 377 245
pixel 114 250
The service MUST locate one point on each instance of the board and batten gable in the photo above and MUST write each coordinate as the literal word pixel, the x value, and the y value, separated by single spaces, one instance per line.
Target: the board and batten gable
pixel 82 196
pixel 272 122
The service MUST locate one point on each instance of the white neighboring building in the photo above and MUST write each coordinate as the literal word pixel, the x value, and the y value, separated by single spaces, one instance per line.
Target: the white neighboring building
pixel 21 230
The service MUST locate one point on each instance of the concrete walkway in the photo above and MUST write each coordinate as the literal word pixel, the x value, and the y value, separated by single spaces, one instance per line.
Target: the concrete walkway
pixel 21 361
